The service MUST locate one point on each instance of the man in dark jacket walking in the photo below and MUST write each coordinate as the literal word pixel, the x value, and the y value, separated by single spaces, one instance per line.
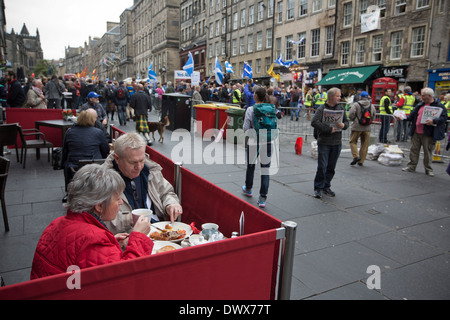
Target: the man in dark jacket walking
pixel 15 97
pixel 329 140
pixel 425 132
pixel 142 104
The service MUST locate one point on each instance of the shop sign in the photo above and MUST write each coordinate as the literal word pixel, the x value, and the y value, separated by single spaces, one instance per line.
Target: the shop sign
pixel 399 73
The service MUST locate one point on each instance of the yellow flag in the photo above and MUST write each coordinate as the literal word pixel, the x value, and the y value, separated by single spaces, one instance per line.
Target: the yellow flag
pixel 273 74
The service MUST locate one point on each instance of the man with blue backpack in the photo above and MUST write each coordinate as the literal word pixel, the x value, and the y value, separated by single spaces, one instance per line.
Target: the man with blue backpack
pixel 260 126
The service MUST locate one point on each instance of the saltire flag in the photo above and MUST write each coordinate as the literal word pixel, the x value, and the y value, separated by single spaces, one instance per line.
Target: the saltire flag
pixel 248 72
pixel 285 64
pixel 229 67
pixel 189 66
pixel 273 74
pixel 298 42
pixel 218 72
pixel 151 72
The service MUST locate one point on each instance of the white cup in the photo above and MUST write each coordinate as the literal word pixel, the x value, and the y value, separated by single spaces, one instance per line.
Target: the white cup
pixel 196 239
pixel 141 213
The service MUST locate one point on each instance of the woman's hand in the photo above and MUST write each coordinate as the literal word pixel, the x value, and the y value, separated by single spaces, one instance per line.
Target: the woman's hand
pixel 142 225
pixel 122 238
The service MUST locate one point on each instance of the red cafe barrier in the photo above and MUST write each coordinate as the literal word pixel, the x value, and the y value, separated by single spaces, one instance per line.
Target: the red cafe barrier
pixel 26 118
pixel 239 268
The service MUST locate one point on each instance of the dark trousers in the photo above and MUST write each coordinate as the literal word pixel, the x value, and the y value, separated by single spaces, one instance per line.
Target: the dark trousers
pixel 265 154
pixel 328 157
pixel 385 126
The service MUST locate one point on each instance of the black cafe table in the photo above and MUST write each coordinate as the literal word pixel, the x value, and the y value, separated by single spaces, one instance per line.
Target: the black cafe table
pixel 61 124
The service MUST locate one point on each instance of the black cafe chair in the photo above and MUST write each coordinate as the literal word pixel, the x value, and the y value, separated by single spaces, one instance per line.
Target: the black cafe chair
pixel 8 137
pixel 4 169
pixel 39 142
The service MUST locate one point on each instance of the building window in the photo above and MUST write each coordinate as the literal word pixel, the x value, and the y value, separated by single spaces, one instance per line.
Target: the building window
pixel 243 17
pixel 290 10
pixel 259 41
pixel 258 65
pixel 234 49
pixel 400 6
pixel 347 14
pixel 241 45
pixel 360 50
pixel 418 42
pixel 250 43
pixel 329 43
pixel 345 51
pixel 235 21
pixel 270 9
pixel 382 6
pixel 331 3
pixel 316 5
pixel 363 5
pixel 441 6
pixel 261 6
pixel 251 15
pixel 301 49
pixel 278 46
pixel 280 12
pixel 396 45
pixel 423 4
pixel 288 54
pixel 377 48
pixel 303 8
pixel 269 35
pixel 315 42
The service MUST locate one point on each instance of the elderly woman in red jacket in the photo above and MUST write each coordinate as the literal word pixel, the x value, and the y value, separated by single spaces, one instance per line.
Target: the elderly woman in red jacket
pixel 81 238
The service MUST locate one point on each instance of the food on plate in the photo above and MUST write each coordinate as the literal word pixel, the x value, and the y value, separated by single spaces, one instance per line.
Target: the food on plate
pixel 168 235
pixel 165 249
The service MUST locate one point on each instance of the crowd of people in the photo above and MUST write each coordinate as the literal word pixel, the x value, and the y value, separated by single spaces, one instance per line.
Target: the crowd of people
pixel 100 198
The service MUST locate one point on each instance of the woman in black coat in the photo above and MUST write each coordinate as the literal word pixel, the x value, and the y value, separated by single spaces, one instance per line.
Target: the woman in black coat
pixel 83 142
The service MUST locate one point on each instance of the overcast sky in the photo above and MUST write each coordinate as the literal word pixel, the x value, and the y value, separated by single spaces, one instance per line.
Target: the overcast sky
pixel 63 23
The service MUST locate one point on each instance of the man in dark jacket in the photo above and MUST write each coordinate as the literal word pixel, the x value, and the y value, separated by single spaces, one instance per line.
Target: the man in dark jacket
pixel 425 132
pixel 142 104
pixel 121 100
pixel 16 97
pixel 329 141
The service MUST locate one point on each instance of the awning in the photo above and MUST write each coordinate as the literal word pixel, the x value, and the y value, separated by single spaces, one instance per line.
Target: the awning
pixel 346 76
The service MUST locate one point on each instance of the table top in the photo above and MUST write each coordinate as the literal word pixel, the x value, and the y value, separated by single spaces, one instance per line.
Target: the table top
pixel 55 123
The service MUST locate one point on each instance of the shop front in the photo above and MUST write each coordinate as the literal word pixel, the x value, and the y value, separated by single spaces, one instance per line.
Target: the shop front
pixel 439 81
pixel 350 79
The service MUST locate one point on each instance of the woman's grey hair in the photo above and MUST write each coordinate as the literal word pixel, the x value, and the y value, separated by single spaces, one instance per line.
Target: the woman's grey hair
pixel 131 140
pixel 93 184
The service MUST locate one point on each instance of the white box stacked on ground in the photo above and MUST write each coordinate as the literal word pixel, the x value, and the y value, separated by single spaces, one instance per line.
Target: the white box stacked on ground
pixel 386 155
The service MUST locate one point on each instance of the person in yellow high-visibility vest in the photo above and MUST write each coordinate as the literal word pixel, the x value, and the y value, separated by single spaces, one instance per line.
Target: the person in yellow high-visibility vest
pixel 406 103
pixel 322 98
pixel 309 102
pixel 386 112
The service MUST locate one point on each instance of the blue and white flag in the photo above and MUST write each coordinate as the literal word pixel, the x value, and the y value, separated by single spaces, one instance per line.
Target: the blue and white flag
pixel 151 73
pixel 248 72
pixel 218 72
pixel 300 41
pixel 281 62
pixel 189 66
pixel 229 67
pixel 286 64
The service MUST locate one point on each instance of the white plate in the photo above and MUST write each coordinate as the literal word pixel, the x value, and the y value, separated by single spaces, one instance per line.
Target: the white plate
pixel 176 226
pixel 157 245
